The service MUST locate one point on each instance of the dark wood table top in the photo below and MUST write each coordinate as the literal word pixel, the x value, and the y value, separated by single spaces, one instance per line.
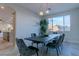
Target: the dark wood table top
pixel 40 39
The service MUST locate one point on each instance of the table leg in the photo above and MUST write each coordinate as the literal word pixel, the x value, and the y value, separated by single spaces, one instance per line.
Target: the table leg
pixel 32 43
pixel 37 45
pixel 44 44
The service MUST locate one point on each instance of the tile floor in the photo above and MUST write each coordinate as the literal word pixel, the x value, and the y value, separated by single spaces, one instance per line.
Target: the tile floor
pixel 69 49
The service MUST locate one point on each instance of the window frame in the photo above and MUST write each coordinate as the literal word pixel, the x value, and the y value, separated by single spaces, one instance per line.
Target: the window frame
pixel 63 16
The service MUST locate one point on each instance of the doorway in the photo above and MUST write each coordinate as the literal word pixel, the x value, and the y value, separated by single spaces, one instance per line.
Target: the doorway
pixel 7 27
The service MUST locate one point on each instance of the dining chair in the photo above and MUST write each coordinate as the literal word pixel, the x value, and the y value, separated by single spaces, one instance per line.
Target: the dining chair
pixel 24 50
pixel 33 35
pixel 56 44
pixel 63 36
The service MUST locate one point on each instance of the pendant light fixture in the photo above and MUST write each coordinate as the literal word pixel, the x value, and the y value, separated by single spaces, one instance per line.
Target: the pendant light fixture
pixel 48 10
pixel 41 13
pixel 2 7
pixel 44 9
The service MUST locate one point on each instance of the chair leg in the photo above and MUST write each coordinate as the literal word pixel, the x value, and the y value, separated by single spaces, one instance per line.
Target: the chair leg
pixel 44 44
pixel 57 51
pixel 32 43
pixel 47 50
pixel 37 45
pixel 37 53
pixel 59 48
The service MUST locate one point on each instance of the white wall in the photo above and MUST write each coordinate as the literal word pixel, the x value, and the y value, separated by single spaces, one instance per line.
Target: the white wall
pixel 73 35
pixel 26 21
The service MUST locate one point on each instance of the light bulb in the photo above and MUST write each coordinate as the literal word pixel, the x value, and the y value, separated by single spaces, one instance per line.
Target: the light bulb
pixel 2 7
pixel 41 13
pixel 47 11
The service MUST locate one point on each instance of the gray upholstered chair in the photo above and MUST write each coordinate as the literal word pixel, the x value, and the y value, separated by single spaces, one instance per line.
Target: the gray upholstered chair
pixel 24 50
pixel 56 43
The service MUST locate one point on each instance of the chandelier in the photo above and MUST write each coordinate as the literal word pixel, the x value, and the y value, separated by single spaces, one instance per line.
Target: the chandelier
pixel 44 10
pixel 5 27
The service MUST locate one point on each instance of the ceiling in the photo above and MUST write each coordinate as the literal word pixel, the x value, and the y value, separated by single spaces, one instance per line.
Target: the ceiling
pixel 55 7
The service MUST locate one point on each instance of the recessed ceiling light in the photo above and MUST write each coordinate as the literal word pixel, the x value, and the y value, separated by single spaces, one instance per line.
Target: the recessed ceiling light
pixel 47 12
pixel 2 7
pixel 41 13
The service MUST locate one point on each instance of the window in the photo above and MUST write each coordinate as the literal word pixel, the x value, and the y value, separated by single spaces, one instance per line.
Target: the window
pixel 67 22
pixel 60 22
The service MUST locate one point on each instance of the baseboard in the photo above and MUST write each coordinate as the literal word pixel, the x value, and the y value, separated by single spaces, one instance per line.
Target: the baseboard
pixel 77 42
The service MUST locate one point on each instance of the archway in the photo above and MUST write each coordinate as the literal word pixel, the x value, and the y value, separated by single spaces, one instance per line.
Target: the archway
pixel 7 27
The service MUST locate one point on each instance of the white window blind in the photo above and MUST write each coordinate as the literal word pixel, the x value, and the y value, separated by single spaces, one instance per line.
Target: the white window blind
pixel 62 22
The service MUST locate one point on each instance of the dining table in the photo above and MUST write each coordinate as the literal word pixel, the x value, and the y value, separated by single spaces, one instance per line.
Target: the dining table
pixel 43 39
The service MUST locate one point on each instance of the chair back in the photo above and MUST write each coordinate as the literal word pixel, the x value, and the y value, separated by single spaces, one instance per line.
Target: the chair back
pixel 60 40
pixel 21 46
pixel 63 36
pixel 33 34
pixel 20 43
